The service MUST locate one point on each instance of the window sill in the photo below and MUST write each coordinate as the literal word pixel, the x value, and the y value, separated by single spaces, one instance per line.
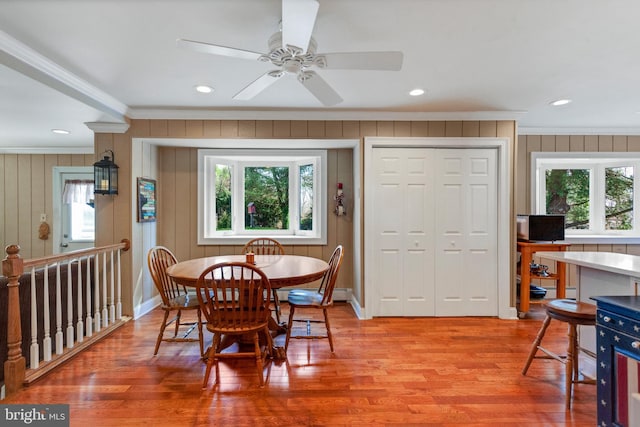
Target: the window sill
pixel 602 240
pixel 241 240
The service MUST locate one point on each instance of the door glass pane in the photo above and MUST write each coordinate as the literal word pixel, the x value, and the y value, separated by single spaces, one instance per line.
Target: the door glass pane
pixel 266 198
pixel 82 222
pixel 306 197
pixel 619 198
pixel 567 193
pixel 223 197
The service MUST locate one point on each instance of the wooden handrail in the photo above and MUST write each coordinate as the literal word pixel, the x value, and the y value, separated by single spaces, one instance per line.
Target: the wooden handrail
pixel 13 266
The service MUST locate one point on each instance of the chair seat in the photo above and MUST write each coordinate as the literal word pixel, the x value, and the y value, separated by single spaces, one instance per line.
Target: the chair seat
pixel 572 311
pixel 184 301
pixel 302 297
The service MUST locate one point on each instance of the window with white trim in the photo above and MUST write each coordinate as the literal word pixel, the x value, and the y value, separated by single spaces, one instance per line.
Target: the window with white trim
pixel 595 191
pixel 250 193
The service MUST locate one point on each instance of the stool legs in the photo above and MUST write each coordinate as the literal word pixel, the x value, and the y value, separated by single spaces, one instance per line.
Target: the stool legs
pixel 571 365
pixel 570 362
pixel 536 344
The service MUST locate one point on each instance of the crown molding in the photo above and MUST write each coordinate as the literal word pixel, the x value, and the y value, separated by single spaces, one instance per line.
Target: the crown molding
pixel 107 127
pixel 628 131
pixel 79 149
pixel 310 114
pixel 27 61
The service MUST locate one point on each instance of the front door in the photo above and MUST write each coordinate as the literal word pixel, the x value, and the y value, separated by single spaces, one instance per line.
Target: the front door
pixel 74 221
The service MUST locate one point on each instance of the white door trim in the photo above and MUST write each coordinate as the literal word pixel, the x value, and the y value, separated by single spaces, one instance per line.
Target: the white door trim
pixel 505 310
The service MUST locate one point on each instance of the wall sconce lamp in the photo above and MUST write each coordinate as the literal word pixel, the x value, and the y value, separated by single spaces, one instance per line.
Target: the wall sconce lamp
pixel 105 175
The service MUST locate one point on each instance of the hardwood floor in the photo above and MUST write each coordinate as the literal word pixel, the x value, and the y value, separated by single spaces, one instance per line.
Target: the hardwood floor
pixel 385 371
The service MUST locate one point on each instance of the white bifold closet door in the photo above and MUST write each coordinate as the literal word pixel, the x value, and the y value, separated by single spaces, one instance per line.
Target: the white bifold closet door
pixel 435 232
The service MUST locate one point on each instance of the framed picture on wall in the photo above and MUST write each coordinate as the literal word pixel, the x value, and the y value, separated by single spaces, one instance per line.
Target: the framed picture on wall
pixel 146 200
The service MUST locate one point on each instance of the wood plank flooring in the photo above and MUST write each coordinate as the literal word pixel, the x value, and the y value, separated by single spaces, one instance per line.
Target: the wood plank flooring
pixel 385 371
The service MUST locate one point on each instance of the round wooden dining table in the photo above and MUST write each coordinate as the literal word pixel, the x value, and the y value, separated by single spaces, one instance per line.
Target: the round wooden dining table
pixel 282 270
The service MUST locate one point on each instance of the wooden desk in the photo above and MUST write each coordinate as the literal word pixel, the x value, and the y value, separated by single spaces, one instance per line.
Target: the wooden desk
pixel 527 249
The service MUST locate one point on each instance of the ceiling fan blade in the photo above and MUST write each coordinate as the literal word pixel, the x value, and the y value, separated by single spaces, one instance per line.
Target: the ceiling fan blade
pixel 391 61
pixel 320 89
pixel 218 50
pixel 258 85
pixel 298 20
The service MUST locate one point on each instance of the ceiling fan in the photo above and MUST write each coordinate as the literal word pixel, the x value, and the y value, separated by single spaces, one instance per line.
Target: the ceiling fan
pixel 293 51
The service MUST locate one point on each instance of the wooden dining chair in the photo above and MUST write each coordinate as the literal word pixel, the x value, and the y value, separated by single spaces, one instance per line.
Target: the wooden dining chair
pixel 320 299
pixel 175 299
pixel 266 246
pixel 234 298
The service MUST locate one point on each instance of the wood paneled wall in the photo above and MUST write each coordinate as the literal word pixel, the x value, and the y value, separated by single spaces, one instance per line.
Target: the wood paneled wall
pixel 27 182
pixel 177 171
pixel 568 143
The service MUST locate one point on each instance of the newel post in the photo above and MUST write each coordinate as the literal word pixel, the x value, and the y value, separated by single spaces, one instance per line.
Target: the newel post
pixel 15 365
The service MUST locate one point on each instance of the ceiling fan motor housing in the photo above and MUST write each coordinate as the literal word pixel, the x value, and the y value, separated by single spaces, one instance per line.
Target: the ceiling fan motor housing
pixel 292 59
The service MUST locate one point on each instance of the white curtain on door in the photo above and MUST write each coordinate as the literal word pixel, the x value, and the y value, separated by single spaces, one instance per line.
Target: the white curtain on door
pixel 77 191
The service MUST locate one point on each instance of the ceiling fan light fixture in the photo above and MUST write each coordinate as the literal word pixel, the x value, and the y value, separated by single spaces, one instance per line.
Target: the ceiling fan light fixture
pixel 416 92
pixel 203 89
pixel 560 102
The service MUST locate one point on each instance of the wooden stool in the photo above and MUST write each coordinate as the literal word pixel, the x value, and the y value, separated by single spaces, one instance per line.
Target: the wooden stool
pixel 574 313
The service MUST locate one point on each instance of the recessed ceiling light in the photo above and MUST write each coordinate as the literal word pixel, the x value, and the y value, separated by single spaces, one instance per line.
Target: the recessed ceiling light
pixel 204 89
pixel 60 131
pixel 416 92
pixel 560 102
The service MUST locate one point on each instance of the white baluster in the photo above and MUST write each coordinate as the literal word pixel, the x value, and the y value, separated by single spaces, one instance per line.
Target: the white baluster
pixel 105 312
pixel 46 342
pixel 59 335
pixel 69 305
pixel 34 349
pixel 112 306
pixel 96 295
pixel 80 323
pixel 89 319
pixel 119 290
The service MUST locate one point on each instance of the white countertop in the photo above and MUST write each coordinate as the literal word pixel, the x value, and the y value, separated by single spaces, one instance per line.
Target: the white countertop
pixel 607 261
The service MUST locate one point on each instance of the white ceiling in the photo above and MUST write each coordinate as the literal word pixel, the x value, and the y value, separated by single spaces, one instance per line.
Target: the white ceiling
pixel 67 62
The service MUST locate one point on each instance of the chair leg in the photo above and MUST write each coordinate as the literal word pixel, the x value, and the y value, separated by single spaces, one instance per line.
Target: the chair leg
pixel 292 310
pixel 177 322
pixel 256 346
pixel 161 334
pixel 211 359
pixel 200 336
pixel 536 343
pixel 276 302
pixel 326 323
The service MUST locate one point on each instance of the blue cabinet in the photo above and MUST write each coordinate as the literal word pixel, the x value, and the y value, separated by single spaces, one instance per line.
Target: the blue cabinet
pixel 618 354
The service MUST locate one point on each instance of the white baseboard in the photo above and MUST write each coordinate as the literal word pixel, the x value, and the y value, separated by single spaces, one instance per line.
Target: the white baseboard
pixel 148 305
